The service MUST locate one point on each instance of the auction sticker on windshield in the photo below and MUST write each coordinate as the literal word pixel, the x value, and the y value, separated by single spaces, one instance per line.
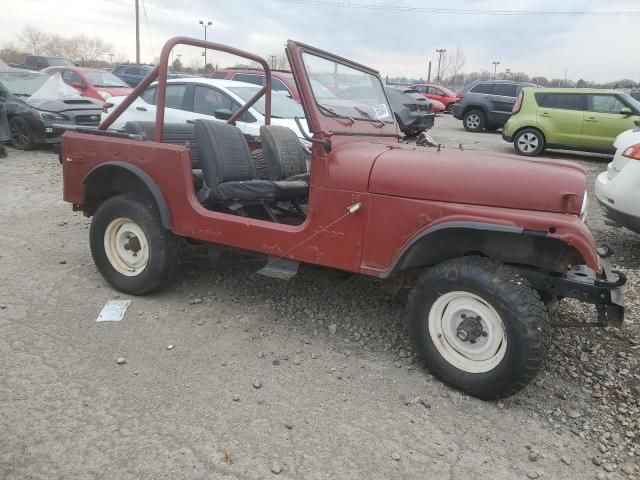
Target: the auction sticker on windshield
pixel 381 111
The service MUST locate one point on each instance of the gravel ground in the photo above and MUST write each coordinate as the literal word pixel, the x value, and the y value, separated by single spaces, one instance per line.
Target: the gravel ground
pixel 309 379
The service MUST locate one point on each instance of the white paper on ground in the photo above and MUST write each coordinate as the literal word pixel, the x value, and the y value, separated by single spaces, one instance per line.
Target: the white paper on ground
pixel 113 311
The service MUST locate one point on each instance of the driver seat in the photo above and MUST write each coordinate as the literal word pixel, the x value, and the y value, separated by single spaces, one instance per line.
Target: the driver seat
pixel 229 174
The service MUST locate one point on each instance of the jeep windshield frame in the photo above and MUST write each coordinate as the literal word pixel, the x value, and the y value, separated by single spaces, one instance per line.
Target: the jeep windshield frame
pixel 359 86
pixel 161 72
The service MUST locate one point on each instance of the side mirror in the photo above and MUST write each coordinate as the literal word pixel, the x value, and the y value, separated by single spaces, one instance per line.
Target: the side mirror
pixel 626 111
pixel 77 85
pixel 223 114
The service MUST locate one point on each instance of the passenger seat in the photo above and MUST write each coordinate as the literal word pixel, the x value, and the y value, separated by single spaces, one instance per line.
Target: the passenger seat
pixel 229 173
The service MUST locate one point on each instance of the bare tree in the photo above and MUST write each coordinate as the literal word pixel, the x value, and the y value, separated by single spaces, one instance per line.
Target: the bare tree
pixel 456 63
pixel 32 39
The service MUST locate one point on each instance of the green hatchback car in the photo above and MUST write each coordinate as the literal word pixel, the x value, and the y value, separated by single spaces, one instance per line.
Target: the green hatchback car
pixel 584 119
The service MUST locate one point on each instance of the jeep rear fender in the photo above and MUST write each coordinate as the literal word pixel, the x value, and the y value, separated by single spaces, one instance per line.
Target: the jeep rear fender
pixel 112 178
pixel 509 244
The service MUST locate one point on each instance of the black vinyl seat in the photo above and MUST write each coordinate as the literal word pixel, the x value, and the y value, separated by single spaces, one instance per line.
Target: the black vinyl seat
pixel 229 173
pixel 173 133
pixel 284 156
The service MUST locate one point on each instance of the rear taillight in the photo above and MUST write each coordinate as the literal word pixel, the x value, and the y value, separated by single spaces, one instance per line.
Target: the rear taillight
pixel 460 95
pixel 411 106
pixel 106 107
pixel 518 105
pixel 632 152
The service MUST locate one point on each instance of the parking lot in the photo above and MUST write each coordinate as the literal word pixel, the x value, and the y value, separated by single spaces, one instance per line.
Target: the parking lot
pixel 227 375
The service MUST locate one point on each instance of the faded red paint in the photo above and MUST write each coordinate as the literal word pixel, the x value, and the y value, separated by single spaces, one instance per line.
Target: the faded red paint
pixel 403 190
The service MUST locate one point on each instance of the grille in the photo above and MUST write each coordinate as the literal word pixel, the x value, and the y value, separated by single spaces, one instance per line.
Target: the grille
pixel 91 120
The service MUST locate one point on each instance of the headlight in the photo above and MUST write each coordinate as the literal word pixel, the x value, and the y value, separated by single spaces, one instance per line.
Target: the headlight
pixel 104 95
pixel 584 210
pixel 42 115
pixel 306 144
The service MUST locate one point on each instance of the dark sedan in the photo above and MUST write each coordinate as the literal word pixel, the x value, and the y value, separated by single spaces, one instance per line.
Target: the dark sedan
pixel 31 124
pixel 412 110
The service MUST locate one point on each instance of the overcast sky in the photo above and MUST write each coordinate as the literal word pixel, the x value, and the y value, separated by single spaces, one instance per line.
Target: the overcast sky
pixel 599 48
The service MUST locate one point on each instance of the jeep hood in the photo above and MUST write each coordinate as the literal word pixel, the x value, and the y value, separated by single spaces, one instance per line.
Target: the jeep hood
pixel 474 178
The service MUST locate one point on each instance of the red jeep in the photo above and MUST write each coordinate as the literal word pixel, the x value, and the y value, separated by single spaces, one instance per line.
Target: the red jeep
pixel 483 240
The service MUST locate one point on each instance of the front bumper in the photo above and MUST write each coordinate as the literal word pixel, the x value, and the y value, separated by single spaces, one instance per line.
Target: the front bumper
pixel 505 137
pixel 582 283
pixel 619 197
pixel 456 110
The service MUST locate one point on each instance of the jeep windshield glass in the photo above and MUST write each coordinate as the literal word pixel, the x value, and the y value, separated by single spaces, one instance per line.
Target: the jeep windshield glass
pixel 281 105
pixel 346 90
pixel 23 84
pixel 105 80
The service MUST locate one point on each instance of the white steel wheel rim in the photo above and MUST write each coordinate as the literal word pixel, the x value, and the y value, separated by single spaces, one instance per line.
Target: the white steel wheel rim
pixel 126 247
pixel 473 121
pixel 528 142
pixel 446 318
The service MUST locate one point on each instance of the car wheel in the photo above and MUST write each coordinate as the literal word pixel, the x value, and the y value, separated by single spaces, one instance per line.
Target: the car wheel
pixel 129 245
pixel 474 121
pixel 449 108
pixel 529 142
pixel 479 325
pixel 21 135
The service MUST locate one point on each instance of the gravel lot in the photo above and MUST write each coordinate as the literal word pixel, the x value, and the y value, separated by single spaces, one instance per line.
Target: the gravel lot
pixel 308 379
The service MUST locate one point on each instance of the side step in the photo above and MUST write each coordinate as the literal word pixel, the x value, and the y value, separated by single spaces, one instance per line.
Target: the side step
pixel 281 268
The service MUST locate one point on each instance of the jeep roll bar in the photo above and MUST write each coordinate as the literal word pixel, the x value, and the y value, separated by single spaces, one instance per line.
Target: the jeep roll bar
pixel 159 72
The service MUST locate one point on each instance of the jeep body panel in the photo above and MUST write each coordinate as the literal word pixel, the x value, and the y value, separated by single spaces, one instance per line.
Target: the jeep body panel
pixel 404 192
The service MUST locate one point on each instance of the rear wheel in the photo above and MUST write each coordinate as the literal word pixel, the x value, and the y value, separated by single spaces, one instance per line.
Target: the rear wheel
pixel 480 327
pixel 449 108
pixel 21 135
pixel 529 142
pixel 474 121
pixel 129 245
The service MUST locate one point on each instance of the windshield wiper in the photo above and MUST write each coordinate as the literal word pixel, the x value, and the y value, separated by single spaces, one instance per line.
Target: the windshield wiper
pixel 368 115
pixel 333 112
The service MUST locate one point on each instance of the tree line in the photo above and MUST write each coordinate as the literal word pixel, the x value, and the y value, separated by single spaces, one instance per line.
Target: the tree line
pixel 84 50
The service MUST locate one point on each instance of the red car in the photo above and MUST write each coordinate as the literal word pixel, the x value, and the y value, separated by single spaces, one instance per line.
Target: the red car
pixel 91 82
pixel 437 92
pixel 282 81
pixel 480 239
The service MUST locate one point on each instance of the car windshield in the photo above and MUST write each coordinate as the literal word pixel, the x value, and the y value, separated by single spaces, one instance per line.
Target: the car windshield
pixel 105 79
pixel 23 84
pixel 281 105
pixel 354 93
pixel 634 102
pixel 447 91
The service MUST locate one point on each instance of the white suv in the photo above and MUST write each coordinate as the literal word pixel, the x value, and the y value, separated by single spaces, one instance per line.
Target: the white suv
pixel 618 189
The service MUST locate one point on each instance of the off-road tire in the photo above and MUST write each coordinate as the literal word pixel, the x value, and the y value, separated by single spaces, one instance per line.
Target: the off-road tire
pixel 21 134
pixel 535 135
pixel 164 247
pixel 474 121
pixel 519 306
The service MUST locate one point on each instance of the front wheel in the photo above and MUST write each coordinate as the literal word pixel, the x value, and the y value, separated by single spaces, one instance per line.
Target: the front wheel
pixel 21 135
pixel 479 325
pixel 129 245
pixel 529 142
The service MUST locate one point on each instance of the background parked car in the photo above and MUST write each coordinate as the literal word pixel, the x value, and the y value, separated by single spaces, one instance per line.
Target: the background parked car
pixel 583 119
pixel 132 73
pixel 617 189
pixel 39 62
pixel 191 98
pixel 436 92
pixel 487 103
pixel 32 123
pixel 281 81
pixel 91 82
pixel 414 115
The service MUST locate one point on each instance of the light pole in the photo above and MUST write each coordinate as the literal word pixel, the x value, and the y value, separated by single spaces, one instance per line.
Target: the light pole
pixel 440 52
pixel 205 25
pixel 110 58
pixel 495 68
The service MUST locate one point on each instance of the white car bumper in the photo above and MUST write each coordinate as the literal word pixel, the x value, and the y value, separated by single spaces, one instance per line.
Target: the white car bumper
pixel 619 197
